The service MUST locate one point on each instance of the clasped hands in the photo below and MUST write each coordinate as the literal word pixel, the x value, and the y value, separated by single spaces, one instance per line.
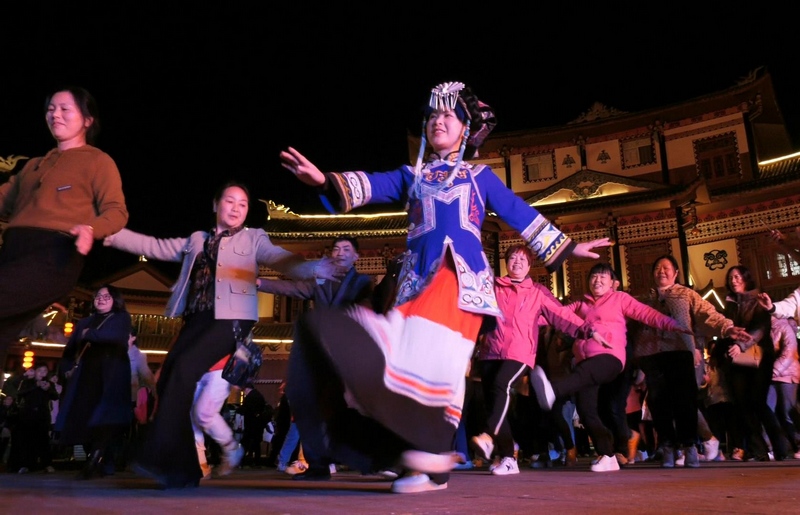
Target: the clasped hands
pixel 738 334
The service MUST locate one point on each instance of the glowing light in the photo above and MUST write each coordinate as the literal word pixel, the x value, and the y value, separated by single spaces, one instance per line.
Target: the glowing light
pixel 47 344
pixel 27 359
pixel 777 159
pixel 716 297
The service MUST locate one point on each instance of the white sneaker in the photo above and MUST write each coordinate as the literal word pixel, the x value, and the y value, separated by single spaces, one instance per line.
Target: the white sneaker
pixel 711 449
pixel 544 390
pixel 230 460
pixel 483 444
pixel 508 465
pixel 605 464
pixel 332 468
pixel 415 483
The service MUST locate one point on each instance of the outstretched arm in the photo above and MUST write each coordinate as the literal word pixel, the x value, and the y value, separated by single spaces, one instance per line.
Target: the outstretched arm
pixel 301 167
pixel 586 249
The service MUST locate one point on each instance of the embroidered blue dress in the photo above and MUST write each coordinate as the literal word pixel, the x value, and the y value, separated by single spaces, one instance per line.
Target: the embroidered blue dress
pixel 450 217
pixel 364 386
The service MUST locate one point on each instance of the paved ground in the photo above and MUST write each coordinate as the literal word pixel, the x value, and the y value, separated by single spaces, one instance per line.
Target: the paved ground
pixel 721 487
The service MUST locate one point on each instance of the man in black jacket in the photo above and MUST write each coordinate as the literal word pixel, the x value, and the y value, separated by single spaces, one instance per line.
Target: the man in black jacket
pixel 253 411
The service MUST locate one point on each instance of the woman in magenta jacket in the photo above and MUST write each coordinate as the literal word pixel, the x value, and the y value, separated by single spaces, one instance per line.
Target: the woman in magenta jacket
pixel 509 350
pixel 599 359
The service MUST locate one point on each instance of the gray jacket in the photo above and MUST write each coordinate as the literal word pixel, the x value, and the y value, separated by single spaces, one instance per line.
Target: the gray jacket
pixel 238 259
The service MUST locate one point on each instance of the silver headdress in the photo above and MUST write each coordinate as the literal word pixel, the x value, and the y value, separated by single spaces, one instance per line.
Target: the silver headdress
pixel 444 97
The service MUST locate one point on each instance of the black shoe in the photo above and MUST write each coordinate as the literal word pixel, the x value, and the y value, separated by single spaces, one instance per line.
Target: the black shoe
pixel 93 467
pixel 313 474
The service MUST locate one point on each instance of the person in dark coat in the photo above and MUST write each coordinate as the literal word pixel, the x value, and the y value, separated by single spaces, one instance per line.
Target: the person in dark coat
pixel 96 408
pixel 33 429
pixel 252 410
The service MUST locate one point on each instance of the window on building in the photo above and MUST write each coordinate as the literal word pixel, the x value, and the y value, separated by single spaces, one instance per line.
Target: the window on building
pixel 638 151
pixel 718 158
pixel 538 167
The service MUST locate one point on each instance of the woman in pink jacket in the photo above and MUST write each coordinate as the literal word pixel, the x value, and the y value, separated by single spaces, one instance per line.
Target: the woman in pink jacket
pixel 599 359
pixel 509 350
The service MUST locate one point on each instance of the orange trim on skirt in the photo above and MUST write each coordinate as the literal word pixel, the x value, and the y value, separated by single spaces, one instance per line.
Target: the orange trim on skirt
pixel 438 303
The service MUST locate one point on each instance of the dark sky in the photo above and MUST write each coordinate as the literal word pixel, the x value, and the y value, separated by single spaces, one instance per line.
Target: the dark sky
pixel 191 98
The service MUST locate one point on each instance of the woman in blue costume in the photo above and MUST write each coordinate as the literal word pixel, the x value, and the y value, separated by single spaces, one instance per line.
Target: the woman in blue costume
pixel 372 390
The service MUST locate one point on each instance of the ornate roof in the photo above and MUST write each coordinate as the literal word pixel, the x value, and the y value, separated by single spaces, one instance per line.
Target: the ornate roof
pixel 282 223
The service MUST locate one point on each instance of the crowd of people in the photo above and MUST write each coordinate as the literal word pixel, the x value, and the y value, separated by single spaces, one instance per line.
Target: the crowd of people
pixel 380 380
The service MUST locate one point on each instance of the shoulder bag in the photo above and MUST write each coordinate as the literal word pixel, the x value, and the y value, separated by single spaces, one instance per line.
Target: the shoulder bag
pixel 242 366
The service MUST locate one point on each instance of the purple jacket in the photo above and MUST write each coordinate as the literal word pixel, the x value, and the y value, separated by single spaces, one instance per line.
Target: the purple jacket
pixel 608 315
pixel 516 336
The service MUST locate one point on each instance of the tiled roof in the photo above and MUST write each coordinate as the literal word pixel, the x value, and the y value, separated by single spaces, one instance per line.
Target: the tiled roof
pixel 778 173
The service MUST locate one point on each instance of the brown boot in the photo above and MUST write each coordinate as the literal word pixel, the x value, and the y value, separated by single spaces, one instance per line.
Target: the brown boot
pixel 572 457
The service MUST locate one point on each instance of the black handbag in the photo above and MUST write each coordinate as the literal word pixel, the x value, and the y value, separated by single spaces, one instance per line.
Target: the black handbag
pixel 242 366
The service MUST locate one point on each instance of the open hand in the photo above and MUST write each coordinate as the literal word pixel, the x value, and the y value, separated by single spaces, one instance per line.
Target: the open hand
pixel 739 334
pixel 765 301
pixel 301 167
pixel 585 249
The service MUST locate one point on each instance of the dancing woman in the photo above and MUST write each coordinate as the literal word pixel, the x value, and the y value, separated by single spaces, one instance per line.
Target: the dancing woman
pixel 391 387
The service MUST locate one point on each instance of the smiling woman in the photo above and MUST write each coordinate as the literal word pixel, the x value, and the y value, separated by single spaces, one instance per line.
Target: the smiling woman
pixel 215 293
pixel 96 408
pixel 56 206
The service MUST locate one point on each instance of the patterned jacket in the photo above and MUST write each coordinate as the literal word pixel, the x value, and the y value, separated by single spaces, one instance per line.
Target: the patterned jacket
pixel 687 307
pixel 446 218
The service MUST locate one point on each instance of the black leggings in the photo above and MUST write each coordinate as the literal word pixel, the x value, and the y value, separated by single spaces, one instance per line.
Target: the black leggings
pixel 585 381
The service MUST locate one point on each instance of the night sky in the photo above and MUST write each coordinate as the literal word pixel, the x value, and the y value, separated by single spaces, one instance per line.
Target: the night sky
pixel 191 98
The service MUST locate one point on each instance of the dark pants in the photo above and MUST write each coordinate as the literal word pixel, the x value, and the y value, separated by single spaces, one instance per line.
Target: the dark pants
pixel 497 378
pixel 37 267
pixel 585 381
pixel 169 451
pixel 612 404
pixel 34 440
pixel 672 396
pixel 749 387
pixel 786 411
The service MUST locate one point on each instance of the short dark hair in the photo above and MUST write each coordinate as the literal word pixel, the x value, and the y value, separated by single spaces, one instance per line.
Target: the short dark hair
pixel 603 268
pixel 231 184
pixel 669 258
pixel 513 249
pixel 346 237
pixel 87 105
